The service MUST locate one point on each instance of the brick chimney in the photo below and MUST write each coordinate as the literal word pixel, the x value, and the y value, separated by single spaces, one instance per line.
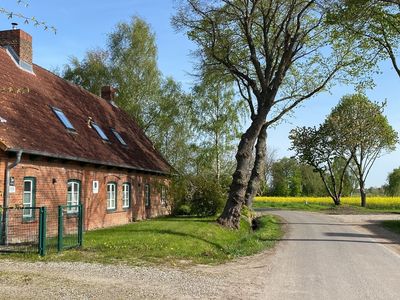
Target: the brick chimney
pixel 20 42
pixel 108 93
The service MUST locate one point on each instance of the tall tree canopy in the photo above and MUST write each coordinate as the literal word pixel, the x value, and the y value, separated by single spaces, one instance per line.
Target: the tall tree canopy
pixel 216 117
pixel 374 23
pixel 319 148
pixel 354 135
pixel 361 128
pixel 278 52
pixel 129 64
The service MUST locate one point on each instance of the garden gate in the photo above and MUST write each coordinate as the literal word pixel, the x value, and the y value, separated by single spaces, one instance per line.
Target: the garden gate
pixel 39 229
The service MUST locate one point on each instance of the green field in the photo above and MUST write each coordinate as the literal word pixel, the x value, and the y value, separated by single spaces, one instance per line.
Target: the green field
pixel 383 204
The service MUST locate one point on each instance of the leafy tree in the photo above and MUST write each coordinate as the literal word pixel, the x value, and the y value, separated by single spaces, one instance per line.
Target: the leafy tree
pixel 286 178
pixel 360 127
pixel 311 184
pixel 317 148
pixel 291 178
pixel 91 73
pixel 276 51
pixel 216 120
pixel 169 127
pixel 129 64
pixel 133 65
pixel 393 187
pixel 375 24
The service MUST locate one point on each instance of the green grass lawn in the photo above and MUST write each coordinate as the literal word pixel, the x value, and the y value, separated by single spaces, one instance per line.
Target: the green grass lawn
pixel 169 240
pixel 393 225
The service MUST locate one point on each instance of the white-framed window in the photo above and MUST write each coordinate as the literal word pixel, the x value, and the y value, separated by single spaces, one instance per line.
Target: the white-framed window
pixel 163 195
pixel 29 197
pixel 73 197
pixel 147 194
pixel 95 186
pixel 111 196
pixel 126 195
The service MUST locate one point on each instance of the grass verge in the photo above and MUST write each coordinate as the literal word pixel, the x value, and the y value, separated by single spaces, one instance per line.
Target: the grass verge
pixel 169 240
pixel 392 225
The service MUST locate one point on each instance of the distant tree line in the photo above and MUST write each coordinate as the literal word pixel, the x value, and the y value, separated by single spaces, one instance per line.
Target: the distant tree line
pixel 288 177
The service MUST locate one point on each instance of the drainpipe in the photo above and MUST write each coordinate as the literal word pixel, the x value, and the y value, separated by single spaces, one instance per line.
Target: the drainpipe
pixel 7 196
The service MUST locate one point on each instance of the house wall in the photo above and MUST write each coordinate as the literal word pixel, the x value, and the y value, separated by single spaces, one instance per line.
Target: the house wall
pixel 51 190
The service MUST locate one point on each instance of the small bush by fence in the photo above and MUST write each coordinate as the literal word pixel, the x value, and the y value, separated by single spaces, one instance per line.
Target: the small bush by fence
pixel 38 229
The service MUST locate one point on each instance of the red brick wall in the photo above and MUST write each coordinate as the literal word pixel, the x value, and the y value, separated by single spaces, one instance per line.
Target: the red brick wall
pixel 20 41
pixel 51 190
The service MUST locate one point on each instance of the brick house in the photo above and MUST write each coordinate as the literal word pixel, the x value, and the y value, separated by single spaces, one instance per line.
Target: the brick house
pixel 62 145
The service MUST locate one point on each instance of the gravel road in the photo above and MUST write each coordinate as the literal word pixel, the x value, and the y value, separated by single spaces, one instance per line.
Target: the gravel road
pixel 320 257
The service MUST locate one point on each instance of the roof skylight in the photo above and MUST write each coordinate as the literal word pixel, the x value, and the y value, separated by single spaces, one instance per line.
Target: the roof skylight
pixel 118 136
pixel 100 131
pixel 61 116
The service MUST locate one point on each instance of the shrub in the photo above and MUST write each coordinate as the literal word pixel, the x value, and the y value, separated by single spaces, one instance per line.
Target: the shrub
pixel 180 196
pixel 208 198
pixel 183 210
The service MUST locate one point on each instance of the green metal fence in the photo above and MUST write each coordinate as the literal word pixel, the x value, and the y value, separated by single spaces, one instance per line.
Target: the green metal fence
pixel 40 230
pixel 23 229
pixel 70 227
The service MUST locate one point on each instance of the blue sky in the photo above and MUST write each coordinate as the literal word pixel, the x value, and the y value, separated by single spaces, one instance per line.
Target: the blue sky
pixel 83 25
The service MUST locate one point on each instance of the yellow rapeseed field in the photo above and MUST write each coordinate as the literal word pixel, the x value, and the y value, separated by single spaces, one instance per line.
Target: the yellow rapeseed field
pixel 372 202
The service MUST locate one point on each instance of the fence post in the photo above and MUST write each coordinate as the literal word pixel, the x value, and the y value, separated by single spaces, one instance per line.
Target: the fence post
pixel 80 225
pixel 60 229
pixel 4 225
pixel 42 230
pixel 1 226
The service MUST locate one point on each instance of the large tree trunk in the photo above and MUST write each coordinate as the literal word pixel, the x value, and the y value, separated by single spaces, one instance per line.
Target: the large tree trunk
pixel 258 168
pixel 363 194
pixel 230 216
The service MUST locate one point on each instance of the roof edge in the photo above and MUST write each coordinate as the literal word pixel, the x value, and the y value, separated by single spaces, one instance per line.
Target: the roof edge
pixel 3 146
pixel 90 161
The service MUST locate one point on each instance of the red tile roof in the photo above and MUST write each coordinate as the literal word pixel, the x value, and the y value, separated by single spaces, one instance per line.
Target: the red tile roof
pixel 33 127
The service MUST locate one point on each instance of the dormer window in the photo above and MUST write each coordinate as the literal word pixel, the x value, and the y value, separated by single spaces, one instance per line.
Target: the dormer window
pixel 63 119
pixel 100 131
pixel 118 136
